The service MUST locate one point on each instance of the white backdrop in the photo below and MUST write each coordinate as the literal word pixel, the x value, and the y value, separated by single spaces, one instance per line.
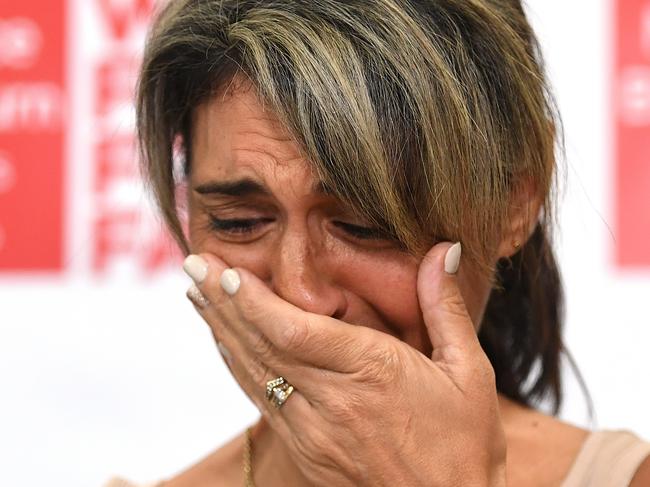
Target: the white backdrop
pixel 114 372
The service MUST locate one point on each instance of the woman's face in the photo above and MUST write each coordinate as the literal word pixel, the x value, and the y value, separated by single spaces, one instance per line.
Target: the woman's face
pixel 254 203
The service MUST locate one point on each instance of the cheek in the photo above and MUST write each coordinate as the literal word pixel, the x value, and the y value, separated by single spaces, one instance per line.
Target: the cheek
pixel 383 294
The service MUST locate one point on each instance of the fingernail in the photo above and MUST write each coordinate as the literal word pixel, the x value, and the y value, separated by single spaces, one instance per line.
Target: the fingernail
pixel 230 281
pixel 224 351
pixel 452 258
pixel 197 297
pixel 195 267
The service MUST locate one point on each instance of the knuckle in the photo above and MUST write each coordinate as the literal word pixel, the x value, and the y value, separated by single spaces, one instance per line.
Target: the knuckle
pixel 381 366
pixel 455 305
pixel 248 307
pixel 312 444
pixel 347 409
pixel 258 371
pixel 261 346
pixel 321 451
pixel 294 335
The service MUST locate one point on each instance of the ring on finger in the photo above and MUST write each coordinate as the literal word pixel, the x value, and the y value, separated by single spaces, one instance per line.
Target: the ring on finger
pixel 278 391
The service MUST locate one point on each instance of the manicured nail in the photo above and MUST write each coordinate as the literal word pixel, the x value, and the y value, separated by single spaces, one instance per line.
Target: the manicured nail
pixel 195 267
pixel 452 258
pixel 197 297
pixel 225 352
pixel 230 281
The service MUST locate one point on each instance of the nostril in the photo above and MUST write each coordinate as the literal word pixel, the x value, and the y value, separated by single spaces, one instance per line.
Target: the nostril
pixel 340 310
pixel 314 296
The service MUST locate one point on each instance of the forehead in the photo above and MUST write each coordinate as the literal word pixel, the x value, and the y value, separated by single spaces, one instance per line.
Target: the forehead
pixel 234 135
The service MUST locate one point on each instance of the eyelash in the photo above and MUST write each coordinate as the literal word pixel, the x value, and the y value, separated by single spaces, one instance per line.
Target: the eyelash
pixel 245 226
pixel 236 226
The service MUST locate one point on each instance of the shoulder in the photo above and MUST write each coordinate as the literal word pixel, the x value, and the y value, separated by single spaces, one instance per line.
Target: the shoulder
pixel 612 457
pixel 561 453
pixel 221 468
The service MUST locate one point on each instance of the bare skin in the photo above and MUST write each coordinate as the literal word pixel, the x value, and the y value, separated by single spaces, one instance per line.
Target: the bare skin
pixel 300 250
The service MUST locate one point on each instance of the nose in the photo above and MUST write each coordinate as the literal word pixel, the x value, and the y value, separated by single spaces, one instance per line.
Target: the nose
pixel 300 276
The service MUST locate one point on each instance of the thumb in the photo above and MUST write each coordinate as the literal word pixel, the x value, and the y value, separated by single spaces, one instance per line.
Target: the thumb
pixel 448 323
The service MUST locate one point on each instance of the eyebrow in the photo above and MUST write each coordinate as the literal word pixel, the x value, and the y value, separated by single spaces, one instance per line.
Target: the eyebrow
pixel 247 187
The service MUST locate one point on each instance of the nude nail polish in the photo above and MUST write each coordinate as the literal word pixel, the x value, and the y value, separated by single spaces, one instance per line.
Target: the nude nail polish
pixel 230 281
pixel 195 267
pixel 452 258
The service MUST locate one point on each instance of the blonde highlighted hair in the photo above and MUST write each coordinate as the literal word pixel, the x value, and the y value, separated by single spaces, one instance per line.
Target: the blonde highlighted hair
pixel 423 115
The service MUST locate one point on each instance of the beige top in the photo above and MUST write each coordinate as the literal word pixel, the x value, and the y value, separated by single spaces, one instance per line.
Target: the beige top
pixel 607 458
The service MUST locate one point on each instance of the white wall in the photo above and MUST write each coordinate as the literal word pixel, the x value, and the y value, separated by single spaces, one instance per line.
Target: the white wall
pixel 115 373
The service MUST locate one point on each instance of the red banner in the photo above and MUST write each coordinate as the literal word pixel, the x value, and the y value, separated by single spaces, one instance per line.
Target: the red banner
pixel 632 131
pixel 32 132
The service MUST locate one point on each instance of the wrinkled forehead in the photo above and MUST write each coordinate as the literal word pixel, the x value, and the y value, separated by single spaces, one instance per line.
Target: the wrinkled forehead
pixel 234 135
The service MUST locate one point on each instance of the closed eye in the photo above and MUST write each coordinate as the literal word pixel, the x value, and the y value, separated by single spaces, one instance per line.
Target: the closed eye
pixel 237 226
pixel 244 226
pixel 364 233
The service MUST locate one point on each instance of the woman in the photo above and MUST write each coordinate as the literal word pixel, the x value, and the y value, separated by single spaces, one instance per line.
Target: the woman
pixel 369 195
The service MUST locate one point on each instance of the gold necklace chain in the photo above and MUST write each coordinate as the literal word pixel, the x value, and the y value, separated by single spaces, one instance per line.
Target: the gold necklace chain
pixel 248 455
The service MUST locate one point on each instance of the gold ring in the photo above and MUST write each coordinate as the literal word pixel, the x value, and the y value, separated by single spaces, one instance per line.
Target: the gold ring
pixel 278 391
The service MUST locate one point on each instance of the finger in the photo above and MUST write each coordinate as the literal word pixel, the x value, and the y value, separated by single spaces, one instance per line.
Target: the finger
pixel 320 341
pixel 210 283
pixel 253 375
pixel 258 355
pixel 195 295
pixel 448 323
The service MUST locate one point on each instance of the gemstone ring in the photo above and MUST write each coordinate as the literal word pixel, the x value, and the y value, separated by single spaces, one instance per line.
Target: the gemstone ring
pixel 278 391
